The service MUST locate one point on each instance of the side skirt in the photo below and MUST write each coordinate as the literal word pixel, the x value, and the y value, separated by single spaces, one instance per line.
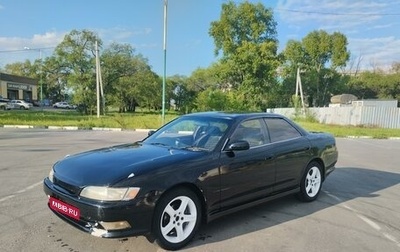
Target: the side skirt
pixel 250 204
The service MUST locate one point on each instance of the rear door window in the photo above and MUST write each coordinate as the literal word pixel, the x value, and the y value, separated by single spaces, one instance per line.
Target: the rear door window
pixel 280 130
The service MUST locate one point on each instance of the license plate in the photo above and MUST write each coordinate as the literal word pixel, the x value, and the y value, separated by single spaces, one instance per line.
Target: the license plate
pixel 64 208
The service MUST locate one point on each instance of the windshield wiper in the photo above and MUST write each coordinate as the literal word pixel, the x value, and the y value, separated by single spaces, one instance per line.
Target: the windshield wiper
pixel 159 144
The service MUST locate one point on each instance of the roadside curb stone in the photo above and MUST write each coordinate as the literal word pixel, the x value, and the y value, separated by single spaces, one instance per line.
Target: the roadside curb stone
pixel 70 128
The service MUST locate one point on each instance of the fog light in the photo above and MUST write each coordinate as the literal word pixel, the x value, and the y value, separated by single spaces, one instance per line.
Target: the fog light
pixel 117 225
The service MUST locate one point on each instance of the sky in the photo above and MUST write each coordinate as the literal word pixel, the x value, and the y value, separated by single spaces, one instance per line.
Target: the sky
pixel 31 29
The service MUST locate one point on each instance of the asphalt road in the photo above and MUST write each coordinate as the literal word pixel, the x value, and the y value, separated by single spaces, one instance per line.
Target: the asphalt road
pixel 358 209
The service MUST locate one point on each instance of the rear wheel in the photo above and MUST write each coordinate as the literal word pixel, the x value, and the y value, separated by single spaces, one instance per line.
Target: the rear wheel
pixel 176 218
pixel 310 185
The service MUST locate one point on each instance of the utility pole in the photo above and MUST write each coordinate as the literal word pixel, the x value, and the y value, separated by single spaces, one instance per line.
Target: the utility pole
pixel 97 81
pixel 299 88
pixel 165 60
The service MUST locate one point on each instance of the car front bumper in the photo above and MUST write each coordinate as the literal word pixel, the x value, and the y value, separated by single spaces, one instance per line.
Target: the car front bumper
pixel 98 218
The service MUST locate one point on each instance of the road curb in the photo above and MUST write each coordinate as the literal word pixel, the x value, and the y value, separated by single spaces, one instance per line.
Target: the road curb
pixel 62 128
pixel 106 129
pixel 70 128
pixel 360 137
pixel 18 126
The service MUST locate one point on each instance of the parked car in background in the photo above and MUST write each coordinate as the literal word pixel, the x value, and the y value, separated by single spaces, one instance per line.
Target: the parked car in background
pixel 19 104
pixel 64 105
pixel 46 102
pixel 3 103
pixel 36 103
pixel 196 168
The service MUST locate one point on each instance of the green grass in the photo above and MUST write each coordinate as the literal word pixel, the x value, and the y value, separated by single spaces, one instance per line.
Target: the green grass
pixel 350 131
pixel 153 120
pixel 137 120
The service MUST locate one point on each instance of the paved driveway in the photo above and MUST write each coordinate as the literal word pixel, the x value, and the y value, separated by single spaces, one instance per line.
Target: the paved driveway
pixel 358 209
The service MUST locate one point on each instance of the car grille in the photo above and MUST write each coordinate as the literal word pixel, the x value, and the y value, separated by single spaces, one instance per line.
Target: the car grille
pixel 68 187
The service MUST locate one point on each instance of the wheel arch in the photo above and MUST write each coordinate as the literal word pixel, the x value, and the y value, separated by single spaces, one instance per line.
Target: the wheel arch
pixel 196 190
pixel 321 163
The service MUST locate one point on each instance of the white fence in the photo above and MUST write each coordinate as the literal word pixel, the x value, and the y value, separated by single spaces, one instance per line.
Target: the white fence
pixel 383 117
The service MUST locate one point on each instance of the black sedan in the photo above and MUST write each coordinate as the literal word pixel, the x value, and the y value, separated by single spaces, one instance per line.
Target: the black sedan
pixel 190 171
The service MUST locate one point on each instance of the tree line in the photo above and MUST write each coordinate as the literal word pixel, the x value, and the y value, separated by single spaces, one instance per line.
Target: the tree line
pixel 249 75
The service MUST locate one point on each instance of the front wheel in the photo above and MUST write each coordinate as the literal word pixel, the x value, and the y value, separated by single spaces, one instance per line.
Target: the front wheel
pixel 311 182
pixel 176 219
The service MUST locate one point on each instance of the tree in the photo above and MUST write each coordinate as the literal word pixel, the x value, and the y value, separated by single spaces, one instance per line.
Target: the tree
pixel 396 67
pixel 71 71
pixel 21 69
pixel 246 37
pixel 202 79
pixel 372 85
pixel 320 55
pixel 123 74
pixel 149 90
pixel 212 99
pixel 76 57
pixel 189 89
pixel 181 95
pixel 55 82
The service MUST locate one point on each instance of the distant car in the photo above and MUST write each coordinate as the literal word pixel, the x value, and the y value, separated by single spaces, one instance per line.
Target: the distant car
pixel 3 103
pixel 196 168
pixel 36 103
pixel 18 104
pixel 46 102
pixel 64 105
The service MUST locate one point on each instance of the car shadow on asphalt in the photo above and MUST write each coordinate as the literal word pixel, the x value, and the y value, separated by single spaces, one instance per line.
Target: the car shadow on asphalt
pixel 345 184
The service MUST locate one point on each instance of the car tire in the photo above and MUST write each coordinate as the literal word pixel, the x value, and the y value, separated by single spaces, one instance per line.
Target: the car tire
pixel 22 108
pixel 311 182
pixel 176 218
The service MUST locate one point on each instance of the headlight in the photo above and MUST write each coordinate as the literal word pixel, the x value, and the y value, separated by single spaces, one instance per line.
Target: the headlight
pixel 51 175
pixel 109 193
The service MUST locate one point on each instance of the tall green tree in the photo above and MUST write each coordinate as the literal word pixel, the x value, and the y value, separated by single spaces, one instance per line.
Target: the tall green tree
pixel 182 96
pixel 319 55
pixel 54 80
pixel 203 80
pixel 21 69
pixel 149 90
pixel 246 38
pixel 212 99
pixel 375 85
pixel 76 58
pixel 124 72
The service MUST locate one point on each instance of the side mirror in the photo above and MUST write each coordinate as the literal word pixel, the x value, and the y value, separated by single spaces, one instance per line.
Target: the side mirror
pixel 238 146
pixel 151 132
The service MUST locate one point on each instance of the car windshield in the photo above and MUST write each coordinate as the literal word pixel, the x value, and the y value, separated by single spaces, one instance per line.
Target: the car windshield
pixel 191 133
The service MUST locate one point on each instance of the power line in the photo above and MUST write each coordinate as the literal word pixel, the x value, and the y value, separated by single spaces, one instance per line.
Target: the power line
pixel 339 14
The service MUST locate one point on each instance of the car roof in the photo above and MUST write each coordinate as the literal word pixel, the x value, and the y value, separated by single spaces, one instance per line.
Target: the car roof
pixel 234 115
pixel 239 116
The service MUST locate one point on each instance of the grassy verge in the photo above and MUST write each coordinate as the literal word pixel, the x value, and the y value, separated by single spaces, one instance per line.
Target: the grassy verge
pixel 153 120
pixel 352 131
pixel 138 120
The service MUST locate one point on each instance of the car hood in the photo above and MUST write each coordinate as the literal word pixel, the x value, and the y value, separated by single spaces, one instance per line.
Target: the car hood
pixel 107 166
